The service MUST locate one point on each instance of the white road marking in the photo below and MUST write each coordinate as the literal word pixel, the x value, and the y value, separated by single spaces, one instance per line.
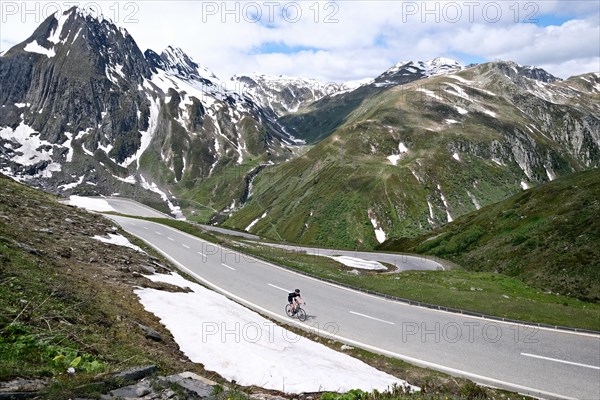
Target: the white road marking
pixel 185 245
pixel 560 361
pixel 373 318
pixel 158 233
pixel 227 266
pixel 146 228
pixel 171 239
pixel 277 287
pixel 202 254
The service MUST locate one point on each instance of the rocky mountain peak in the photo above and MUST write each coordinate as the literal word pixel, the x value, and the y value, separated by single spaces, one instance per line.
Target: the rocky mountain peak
pixel 76 74
pixel 80 104
pixel 282 94
pixel 76 34
pixel 175 61
pixel 47 35
pixel 539 74
pixel 514 70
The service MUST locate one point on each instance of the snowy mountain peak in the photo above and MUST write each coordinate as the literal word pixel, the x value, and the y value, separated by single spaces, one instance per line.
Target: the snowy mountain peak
pixel 277 80
pixel 86 16
pixel 51 33
pixel 437 66
pixel 282 94
pixel 280 82
pixel 175 61
pixel 107 49
pixel 355 84
pixel 441 65
pixel 408 71
pixel 56 32
pixel 80 82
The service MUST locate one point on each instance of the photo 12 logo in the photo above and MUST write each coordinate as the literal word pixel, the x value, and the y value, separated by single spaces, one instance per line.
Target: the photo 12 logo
pixel 253 332
pixel 469 11
pixel 269 12
pixel 27 11
pixel 471 332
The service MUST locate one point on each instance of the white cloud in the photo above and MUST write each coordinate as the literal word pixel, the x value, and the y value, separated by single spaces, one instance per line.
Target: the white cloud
pixel 573 67
pixel 346 40
pixel 556 44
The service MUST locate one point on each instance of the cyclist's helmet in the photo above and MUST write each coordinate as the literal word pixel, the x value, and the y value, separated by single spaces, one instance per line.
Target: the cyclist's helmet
pixel 297 290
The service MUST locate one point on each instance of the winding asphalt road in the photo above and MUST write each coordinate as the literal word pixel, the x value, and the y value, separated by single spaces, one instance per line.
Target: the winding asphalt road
pixel 402 262
pixel 541 362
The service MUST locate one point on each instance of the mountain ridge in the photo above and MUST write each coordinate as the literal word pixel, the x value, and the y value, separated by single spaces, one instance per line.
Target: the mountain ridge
pixel 418 155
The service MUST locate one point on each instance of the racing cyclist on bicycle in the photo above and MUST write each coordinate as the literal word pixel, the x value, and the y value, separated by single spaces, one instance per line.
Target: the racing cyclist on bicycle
pixel 294 299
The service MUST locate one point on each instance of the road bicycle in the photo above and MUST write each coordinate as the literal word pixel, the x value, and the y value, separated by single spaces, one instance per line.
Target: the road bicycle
pixel 299 312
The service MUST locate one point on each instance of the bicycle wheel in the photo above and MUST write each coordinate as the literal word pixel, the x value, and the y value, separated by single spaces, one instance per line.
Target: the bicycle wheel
pixel 288 310
pixel 301 314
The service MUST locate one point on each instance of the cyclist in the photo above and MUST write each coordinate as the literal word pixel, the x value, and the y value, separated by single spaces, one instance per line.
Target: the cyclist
pixel 294 299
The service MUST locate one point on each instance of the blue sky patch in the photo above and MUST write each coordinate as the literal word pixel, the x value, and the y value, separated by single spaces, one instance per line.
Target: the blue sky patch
pixel 548 20
pixel 280 48
pixel 466 59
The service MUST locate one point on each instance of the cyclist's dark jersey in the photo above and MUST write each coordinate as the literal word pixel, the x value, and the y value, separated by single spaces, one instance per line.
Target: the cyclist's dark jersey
pixel 292 296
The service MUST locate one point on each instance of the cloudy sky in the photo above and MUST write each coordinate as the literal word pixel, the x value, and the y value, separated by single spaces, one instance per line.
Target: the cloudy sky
pixel 344 40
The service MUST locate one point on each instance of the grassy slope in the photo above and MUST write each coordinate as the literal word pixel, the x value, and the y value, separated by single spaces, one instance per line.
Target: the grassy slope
pixel 202 198
pixel 323 117
pixel 547 236
pixel 324 196
pixel 65 295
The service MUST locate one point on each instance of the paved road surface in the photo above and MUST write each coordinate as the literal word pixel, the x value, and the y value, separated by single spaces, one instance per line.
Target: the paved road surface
pixel 402 262
pixel 130 207
pixel 542 362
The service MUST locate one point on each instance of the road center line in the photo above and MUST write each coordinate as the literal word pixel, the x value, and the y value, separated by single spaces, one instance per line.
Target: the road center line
pixel 146 228
pixel 560 361
pixel 227 266
pixel 158 233
pixel 373 318
pixel 277 287
pixel 185 245
pixel 202 254
pixel 171 239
